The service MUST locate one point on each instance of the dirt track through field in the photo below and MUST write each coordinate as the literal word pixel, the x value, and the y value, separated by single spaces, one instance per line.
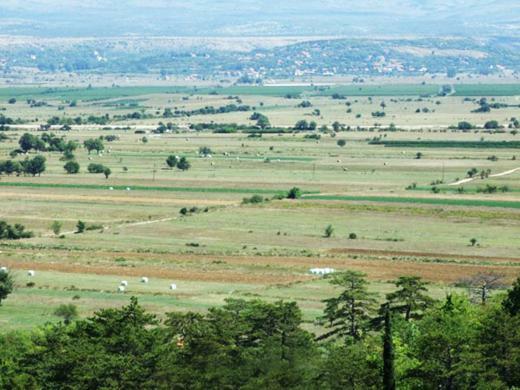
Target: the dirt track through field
pixel 470 179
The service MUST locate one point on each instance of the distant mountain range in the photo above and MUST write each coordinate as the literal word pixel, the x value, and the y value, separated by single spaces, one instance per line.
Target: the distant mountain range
pixel 366 18
pixel 253 60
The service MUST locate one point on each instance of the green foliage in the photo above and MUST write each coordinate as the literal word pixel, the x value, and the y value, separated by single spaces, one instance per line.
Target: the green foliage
pixel 16 232
pixel 107 172
pixel 512 302
pixel 34 166
pixel 388 354
pixel 69 312
pixel 172 161
pixel 349 314
pixel 6 285
pixel 411 298
pixel 255 199
pixel 71 167
pixel 80 227
pixel 329 231
pixel 96 168
pixel 183 164
pixel 94 144
pixel 294 193
pixel 56 227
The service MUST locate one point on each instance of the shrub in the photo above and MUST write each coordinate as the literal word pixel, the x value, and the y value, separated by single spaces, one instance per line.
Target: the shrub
pixel 329 231
pixel 71 167
pixel 294 193
pixel 95 168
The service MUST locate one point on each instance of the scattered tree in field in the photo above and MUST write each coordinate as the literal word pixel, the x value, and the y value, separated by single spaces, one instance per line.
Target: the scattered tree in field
pixel 95 168
pixel 80 227
pixel 6 285
pixel 491 125
pixel 56 227
pixel 12 101
pixel 71 167
pixel 183 164
pixel 34 166
pixel 205 151
pixel 303 125
pixel 411 298
pixel 107 172
pixel 294 193
pixel 329 231
pixel 68 312
pixel 9 167
pixel 473 241
pixel 349 314
pixel 172 161
pixel 464 125
pixel 472 172
pixel 94 144
pixel 341 142
pixel 13 232
pixel 418 155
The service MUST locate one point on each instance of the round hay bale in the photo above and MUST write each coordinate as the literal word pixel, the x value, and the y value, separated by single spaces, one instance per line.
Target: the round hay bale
pixel 173 286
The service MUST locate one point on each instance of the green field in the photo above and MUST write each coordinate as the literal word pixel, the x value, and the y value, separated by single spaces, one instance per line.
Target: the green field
pixel 230 248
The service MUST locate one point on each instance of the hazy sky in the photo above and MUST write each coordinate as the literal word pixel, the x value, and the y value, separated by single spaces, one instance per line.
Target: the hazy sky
pixel 260 17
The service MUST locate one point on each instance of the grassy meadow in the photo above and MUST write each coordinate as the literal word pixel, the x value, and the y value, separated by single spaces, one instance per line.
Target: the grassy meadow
pixel 388 218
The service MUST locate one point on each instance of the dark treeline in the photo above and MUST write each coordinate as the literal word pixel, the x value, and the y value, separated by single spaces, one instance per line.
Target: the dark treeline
pixel 410 342
pixel 208 110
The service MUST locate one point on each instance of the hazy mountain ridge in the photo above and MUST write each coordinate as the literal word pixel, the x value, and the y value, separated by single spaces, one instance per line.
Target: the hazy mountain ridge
pixel 263 17
pixel 260 58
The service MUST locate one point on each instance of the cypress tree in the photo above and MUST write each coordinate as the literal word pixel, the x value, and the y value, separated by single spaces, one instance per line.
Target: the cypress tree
pixel 388 354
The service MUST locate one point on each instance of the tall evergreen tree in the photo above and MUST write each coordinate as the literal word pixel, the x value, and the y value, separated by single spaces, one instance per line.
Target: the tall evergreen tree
pixel 388 354
pixel 349 314
pixel 411 298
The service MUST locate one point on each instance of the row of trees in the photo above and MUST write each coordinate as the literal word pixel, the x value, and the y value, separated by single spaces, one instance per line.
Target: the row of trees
pixel 410 342
pixel 30 166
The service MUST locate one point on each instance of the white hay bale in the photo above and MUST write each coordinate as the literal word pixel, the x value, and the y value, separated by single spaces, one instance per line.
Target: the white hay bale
pixel 121 289
pixel 123 283
pixel 31 273
pixel 4 269
pixel 111 188
pixel 144 279
pixel 173 286
pixel 322 271
pixel 212 164
pixel 128 188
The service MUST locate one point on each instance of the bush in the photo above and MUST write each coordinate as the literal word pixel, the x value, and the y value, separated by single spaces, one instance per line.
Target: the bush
pixel 294 193
pixel 341 142
pixel 352 236
pixel 71 167
pixel 95 168
pixel 67 311
pixel 255 199
pixel 80 227
pixel 16 232
pixel 329 231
